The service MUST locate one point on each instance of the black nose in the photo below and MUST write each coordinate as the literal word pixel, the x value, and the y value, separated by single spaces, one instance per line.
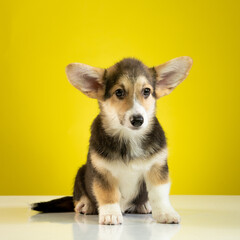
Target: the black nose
pixel 136 120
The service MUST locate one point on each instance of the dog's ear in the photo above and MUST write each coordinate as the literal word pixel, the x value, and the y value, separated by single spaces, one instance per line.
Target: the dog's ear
pixel 170 74
pixel 87 79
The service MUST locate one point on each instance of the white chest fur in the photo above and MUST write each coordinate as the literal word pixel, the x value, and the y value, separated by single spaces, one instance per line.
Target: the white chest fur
pixel 129 175
pixel 129 180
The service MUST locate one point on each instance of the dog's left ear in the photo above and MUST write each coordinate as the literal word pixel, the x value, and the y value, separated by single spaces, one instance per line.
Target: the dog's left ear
pixel 170 74
pixel 87 79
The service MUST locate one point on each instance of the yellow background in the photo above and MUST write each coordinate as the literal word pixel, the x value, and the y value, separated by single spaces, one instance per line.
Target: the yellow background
pixel 45 122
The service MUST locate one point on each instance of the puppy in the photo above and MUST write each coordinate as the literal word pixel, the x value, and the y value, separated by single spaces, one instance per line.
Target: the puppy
pixel 126 169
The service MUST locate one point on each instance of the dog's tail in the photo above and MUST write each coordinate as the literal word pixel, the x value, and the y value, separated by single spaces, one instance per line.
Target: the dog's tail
pixel 64 204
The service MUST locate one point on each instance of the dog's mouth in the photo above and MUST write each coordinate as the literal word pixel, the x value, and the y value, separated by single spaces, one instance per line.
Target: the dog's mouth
pixel 135 128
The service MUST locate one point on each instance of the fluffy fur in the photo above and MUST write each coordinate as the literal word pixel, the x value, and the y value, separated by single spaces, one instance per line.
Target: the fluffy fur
pixel 126 169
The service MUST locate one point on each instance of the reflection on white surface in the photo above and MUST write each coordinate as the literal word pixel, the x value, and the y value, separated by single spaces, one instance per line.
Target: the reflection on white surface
pixel 203 218
pixel 135 227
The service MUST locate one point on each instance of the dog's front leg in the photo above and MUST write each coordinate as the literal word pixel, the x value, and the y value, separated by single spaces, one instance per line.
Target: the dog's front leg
pixel 107 193
pixel 158 187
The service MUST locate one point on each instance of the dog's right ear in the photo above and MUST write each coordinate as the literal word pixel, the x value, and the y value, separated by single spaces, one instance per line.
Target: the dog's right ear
pixel 87 79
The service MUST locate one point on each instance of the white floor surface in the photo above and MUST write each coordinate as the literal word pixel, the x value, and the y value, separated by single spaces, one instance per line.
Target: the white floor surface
pixel 203 217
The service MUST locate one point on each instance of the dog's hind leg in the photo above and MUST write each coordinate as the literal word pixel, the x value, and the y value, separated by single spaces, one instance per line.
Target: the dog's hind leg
pixel 143 208
pixel 85 206
pixel 140 204
pixel 81 201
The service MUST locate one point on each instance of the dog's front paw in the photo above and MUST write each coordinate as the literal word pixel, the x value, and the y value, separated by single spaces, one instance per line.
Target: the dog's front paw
pixel 168 215
pixel 110 214
pixel 110 219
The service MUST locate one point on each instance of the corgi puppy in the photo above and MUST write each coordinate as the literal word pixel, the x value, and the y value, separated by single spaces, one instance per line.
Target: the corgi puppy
pixel 126 169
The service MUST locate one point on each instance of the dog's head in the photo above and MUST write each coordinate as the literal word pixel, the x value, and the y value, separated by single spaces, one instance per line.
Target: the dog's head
pixel 127 91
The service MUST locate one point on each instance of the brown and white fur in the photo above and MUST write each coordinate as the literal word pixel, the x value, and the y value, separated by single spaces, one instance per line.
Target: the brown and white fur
pixel 126 169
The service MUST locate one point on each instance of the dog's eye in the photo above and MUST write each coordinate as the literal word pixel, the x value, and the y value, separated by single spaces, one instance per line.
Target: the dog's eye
pixel 120 93
pixel 146 92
